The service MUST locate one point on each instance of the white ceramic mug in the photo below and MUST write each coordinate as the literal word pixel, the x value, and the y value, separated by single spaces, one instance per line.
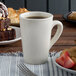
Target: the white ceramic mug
pixel 36 36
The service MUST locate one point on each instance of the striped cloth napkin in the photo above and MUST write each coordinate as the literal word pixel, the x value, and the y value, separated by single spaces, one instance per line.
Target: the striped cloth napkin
pixel 8 67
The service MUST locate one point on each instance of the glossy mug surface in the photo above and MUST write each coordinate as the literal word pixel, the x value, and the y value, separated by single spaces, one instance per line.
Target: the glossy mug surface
pixel 36 35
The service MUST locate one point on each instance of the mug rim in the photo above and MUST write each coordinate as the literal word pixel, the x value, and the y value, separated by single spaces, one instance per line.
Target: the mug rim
pixel 49 15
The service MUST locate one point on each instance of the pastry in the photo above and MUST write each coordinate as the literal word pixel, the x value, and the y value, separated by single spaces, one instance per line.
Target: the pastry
pixel 21 10
pixel 14 14
pixel 72 16
pixel 6 32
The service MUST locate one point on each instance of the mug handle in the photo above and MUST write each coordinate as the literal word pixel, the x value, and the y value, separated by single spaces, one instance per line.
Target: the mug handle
pixel 58 32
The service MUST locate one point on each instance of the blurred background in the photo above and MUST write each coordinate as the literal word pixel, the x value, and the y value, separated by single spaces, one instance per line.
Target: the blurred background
pixel 53 6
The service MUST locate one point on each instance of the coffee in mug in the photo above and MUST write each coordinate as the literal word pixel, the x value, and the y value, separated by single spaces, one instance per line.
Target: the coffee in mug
pixel 36 28
pixel 36 17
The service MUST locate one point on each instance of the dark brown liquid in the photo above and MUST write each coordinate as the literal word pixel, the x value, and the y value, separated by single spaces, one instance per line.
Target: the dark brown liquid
pixel 36 17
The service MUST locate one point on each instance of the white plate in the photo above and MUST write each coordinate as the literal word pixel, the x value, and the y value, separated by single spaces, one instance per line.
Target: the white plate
pixel 18 37
pixel 59 66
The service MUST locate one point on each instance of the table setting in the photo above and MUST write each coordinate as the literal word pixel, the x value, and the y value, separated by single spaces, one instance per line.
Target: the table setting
pixel 36 43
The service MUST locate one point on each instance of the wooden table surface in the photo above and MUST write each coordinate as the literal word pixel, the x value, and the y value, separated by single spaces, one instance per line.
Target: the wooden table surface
pixel 67 39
